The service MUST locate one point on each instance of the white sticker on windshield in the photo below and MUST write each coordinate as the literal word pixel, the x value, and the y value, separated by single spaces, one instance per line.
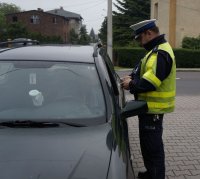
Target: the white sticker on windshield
pixel 91 68
pixel 32 78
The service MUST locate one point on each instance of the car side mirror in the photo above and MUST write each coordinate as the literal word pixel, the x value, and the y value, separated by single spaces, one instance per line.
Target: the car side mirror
pixel 134 108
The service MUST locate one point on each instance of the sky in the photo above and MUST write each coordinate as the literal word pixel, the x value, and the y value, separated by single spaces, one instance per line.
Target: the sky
pixel 93 12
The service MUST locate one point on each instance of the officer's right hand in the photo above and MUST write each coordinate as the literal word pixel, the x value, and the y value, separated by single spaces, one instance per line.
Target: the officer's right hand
pixel 125 78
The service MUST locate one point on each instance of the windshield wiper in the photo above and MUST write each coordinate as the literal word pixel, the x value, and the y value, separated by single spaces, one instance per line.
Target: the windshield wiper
pixel 35 124
pixel 28 124
pixel 72 124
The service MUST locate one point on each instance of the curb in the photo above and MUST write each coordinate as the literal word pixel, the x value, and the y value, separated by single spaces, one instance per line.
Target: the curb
pixel 188 69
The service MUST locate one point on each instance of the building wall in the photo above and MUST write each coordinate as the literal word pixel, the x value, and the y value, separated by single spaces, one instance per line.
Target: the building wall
pixel 187 18
pixel 75 24
pixel 48 24
pixel 159 9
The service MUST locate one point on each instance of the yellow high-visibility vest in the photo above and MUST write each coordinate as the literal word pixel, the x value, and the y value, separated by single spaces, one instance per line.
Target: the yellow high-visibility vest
pixel 162 100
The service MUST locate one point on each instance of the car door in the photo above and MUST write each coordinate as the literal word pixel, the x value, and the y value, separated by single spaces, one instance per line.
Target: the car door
pixel 120 128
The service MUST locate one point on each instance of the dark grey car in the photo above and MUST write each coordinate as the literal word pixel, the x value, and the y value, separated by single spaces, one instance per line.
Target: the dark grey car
pixel 63 115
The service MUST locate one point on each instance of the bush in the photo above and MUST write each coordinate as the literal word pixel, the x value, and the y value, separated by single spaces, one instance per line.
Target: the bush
pixel 191 43
pixel 129 57
pixel 44 39
pixel 187 58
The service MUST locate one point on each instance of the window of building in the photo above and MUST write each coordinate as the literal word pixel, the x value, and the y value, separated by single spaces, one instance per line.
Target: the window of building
pixel 14 19
pixel 35 19
pixel 54 20
pixel 156 11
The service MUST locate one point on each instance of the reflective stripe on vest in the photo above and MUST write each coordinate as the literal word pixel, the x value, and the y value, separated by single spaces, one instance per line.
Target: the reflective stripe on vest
pixel 163 99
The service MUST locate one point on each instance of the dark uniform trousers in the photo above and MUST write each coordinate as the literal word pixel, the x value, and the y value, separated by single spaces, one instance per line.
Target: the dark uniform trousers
pixel 151 143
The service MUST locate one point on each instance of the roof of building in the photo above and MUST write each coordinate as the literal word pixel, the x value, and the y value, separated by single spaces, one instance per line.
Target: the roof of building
pixel 66 14
pixel 58 12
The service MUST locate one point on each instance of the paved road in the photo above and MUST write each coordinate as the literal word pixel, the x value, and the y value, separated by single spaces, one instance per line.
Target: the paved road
pixel 188 83
pixel 181 131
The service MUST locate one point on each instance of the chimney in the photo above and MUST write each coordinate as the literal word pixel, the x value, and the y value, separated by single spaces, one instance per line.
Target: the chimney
pixel 40 9
pixel 61 8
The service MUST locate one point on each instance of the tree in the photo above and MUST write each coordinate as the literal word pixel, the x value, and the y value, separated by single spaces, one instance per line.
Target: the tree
pixel 9 8
pixel 6 9
pixel 103 31
pixel 92 36
pixel 16 30
pixel 73 37
pixel 2 22
pixel 84 38
pixel 129 12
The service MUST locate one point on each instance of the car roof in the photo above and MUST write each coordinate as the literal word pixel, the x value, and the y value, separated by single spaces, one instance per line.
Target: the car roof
pixel 50 53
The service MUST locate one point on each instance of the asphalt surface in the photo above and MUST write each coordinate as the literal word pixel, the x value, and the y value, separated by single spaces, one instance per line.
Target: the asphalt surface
pixel 181 130
pixel 188 83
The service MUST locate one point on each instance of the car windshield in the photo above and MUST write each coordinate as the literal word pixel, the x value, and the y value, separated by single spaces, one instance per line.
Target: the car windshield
pixel 51 91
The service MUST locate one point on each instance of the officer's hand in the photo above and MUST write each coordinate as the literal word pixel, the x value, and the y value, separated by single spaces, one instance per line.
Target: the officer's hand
pixel 125 78
pixel 125 83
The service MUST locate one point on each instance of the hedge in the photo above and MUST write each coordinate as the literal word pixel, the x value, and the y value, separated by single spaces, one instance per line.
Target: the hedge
pixel 129 57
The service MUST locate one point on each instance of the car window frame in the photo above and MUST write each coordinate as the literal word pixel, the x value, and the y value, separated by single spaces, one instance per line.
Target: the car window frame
pixel 110 68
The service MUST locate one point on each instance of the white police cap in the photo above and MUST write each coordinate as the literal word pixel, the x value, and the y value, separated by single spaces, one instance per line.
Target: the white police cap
pixel 140 27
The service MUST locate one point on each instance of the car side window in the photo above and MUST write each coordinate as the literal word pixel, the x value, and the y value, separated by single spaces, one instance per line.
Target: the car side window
pixel 111 71
pixel 114 78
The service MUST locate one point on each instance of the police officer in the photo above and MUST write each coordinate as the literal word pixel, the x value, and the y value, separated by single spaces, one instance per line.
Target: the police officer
pixel 153 80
